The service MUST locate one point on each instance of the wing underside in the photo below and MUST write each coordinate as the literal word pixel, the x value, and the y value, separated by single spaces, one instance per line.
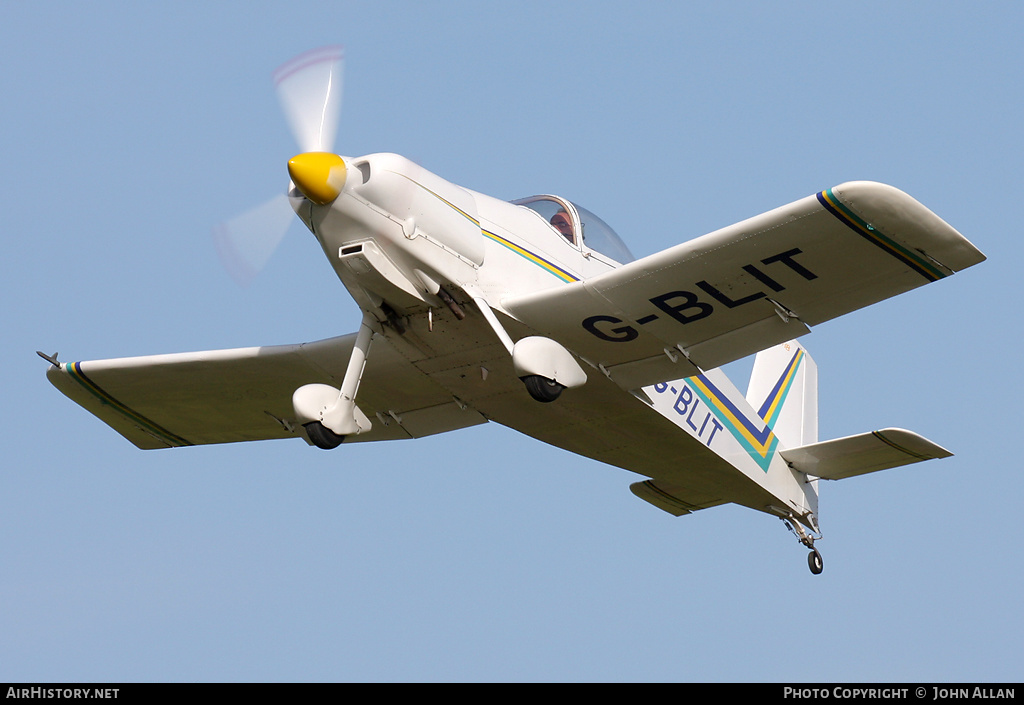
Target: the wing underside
pixel 244 394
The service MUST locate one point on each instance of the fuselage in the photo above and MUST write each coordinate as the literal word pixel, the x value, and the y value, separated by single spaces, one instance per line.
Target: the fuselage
pixel 415 251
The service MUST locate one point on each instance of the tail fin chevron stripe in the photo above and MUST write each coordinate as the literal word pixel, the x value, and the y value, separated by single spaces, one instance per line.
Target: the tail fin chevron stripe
pixel 757 439
pixel 772 406
pixel 784 390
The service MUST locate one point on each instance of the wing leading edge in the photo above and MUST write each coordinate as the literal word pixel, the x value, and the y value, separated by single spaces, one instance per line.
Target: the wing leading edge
pixel 752 285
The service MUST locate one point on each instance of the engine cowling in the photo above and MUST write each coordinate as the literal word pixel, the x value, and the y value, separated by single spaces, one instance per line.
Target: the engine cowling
pixel 425 204
pixel 394 232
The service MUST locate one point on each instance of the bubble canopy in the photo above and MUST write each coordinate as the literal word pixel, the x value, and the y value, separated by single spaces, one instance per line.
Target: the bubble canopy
pixel 579 226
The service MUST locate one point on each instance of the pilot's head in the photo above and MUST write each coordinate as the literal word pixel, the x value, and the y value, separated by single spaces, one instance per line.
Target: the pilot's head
pixel 563 224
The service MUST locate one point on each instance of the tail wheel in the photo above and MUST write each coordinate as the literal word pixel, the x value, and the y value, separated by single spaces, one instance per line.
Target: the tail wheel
pixel 322 437
pixel 542 389
pixel 814 562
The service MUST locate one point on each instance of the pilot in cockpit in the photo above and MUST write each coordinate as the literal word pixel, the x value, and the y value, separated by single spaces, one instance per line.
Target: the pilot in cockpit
pixel 563 224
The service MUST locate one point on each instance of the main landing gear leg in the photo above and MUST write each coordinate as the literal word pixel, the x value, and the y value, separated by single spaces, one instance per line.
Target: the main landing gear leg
pixel 329 414
pixel 814 561
pixel 540 388
pixel 544 366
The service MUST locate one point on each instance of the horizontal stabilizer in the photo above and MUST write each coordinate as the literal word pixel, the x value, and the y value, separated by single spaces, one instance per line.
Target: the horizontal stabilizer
pixel 868 452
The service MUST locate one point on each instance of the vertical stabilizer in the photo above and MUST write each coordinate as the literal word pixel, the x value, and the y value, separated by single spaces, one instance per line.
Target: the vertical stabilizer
pixel 784 391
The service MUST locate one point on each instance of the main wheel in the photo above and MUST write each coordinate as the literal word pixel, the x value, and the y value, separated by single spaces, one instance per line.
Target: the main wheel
pixel 542 389
pixel 322 437
pixel 814 561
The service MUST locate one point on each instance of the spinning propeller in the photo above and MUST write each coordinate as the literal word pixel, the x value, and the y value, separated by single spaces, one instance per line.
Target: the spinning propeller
pixel 309 89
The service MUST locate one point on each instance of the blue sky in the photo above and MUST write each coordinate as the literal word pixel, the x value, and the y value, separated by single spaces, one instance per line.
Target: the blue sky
pixel 130 130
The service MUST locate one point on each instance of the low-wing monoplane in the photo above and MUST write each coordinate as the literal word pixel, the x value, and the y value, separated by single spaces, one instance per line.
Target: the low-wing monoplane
pixel 534 314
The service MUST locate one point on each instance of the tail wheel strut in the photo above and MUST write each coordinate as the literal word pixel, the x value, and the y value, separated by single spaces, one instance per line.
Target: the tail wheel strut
pixel 814 561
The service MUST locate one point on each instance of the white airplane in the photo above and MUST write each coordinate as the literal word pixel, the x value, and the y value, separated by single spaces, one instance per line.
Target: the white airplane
pixel 467 299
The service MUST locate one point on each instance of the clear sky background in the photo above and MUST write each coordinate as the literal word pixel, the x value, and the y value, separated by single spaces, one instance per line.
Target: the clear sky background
pixel 128 130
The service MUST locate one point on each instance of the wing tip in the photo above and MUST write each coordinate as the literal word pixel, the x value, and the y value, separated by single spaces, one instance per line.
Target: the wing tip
pixel 887 209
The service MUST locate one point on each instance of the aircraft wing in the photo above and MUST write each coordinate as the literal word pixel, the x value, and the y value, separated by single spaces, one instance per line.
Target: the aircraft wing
pixel 749 286
pixel 223 396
